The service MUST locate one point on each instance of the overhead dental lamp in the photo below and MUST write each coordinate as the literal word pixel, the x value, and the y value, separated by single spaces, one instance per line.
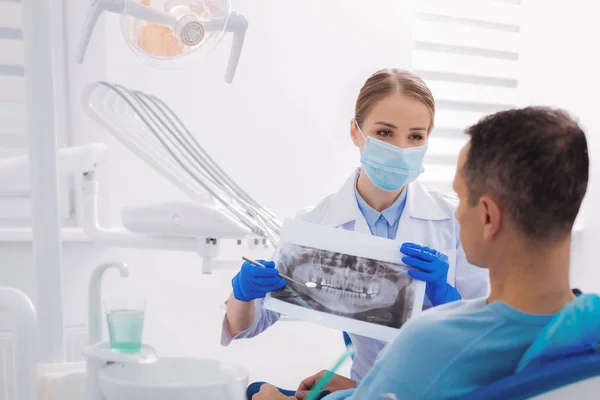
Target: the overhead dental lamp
pixel 175 35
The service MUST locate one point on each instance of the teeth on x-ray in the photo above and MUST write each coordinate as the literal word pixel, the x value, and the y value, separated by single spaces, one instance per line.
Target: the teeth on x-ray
pixel 350 286
pixel 344 294
pixel 365 290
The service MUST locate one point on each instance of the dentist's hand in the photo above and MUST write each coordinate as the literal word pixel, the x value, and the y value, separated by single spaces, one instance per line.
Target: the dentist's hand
pixel 254 282
pixel 432 268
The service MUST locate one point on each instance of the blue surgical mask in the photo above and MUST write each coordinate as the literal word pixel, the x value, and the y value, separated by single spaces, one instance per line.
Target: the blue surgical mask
pixel 391 167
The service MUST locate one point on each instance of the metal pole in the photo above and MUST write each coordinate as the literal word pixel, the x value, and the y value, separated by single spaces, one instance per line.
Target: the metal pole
pixel 37 35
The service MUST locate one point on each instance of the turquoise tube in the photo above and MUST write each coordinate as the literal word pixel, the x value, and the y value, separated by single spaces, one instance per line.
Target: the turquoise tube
pixel 320 385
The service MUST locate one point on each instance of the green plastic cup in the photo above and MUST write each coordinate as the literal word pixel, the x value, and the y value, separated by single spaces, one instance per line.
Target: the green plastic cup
pixel 125 322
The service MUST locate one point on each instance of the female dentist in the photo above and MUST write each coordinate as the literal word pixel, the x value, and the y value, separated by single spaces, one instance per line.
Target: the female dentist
pixel 394 115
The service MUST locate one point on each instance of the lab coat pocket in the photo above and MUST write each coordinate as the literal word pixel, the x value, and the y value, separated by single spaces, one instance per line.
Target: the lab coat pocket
pixel 452 268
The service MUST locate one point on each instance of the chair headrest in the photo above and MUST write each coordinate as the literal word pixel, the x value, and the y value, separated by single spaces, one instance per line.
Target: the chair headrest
pixel 574 330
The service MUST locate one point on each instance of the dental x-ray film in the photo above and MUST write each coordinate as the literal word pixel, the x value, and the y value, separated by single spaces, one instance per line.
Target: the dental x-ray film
pixel 362 285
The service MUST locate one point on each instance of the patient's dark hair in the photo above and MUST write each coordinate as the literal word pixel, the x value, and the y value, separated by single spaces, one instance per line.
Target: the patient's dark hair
pixel 534 161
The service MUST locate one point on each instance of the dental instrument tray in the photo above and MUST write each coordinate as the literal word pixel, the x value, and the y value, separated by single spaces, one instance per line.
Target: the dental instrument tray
pixel 180 218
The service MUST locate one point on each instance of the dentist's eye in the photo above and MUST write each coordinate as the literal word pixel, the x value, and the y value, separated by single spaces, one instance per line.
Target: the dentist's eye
pixel 416 136
pixel 386 133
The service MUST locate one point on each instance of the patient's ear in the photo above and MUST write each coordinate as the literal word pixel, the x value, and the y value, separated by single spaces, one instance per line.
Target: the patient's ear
pixel 491 215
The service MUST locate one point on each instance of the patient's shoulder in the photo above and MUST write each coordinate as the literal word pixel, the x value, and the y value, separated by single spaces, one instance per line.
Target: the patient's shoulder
pixel 441 350
pixel 442 333
pixel 430 342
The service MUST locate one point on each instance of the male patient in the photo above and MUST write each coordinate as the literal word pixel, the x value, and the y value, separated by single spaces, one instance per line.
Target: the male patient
pixel 520 180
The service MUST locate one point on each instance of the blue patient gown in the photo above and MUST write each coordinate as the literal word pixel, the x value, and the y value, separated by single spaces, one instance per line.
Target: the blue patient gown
pixel 449 351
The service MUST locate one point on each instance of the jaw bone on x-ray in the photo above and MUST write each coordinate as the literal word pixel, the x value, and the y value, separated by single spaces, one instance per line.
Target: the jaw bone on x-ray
pixel 349 286
pixel 359 289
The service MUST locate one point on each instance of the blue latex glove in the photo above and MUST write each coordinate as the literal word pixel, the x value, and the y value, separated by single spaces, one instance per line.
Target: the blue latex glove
pixel 432 268
pixel 254 282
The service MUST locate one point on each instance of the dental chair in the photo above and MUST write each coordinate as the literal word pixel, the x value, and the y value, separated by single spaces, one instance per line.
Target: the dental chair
pixel 575 377
pixel 562 363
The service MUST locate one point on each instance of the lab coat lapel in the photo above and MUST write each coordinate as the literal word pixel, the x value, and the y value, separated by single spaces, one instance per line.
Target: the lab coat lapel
pixel 360 224
pixel 408 230
pixel 343 209
pixel 419 206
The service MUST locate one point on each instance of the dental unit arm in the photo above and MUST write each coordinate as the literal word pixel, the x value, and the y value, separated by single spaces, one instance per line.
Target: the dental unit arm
pixel 98 354
pixel 95 298
pixel 72 161
pixel 205 247
pixel 219 208
pixel 188 28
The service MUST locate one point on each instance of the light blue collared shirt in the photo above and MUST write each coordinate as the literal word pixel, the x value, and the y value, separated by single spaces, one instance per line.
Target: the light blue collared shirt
pixel 383 224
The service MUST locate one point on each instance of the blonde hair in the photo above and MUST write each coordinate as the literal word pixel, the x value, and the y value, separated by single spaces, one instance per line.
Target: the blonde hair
pixel 387 81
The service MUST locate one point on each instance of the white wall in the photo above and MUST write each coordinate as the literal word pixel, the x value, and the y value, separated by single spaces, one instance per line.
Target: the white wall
pixel 562 69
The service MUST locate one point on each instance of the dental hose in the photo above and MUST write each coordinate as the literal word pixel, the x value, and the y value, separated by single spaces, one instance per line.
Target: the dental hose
pixel 264 223
pixel 185 150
